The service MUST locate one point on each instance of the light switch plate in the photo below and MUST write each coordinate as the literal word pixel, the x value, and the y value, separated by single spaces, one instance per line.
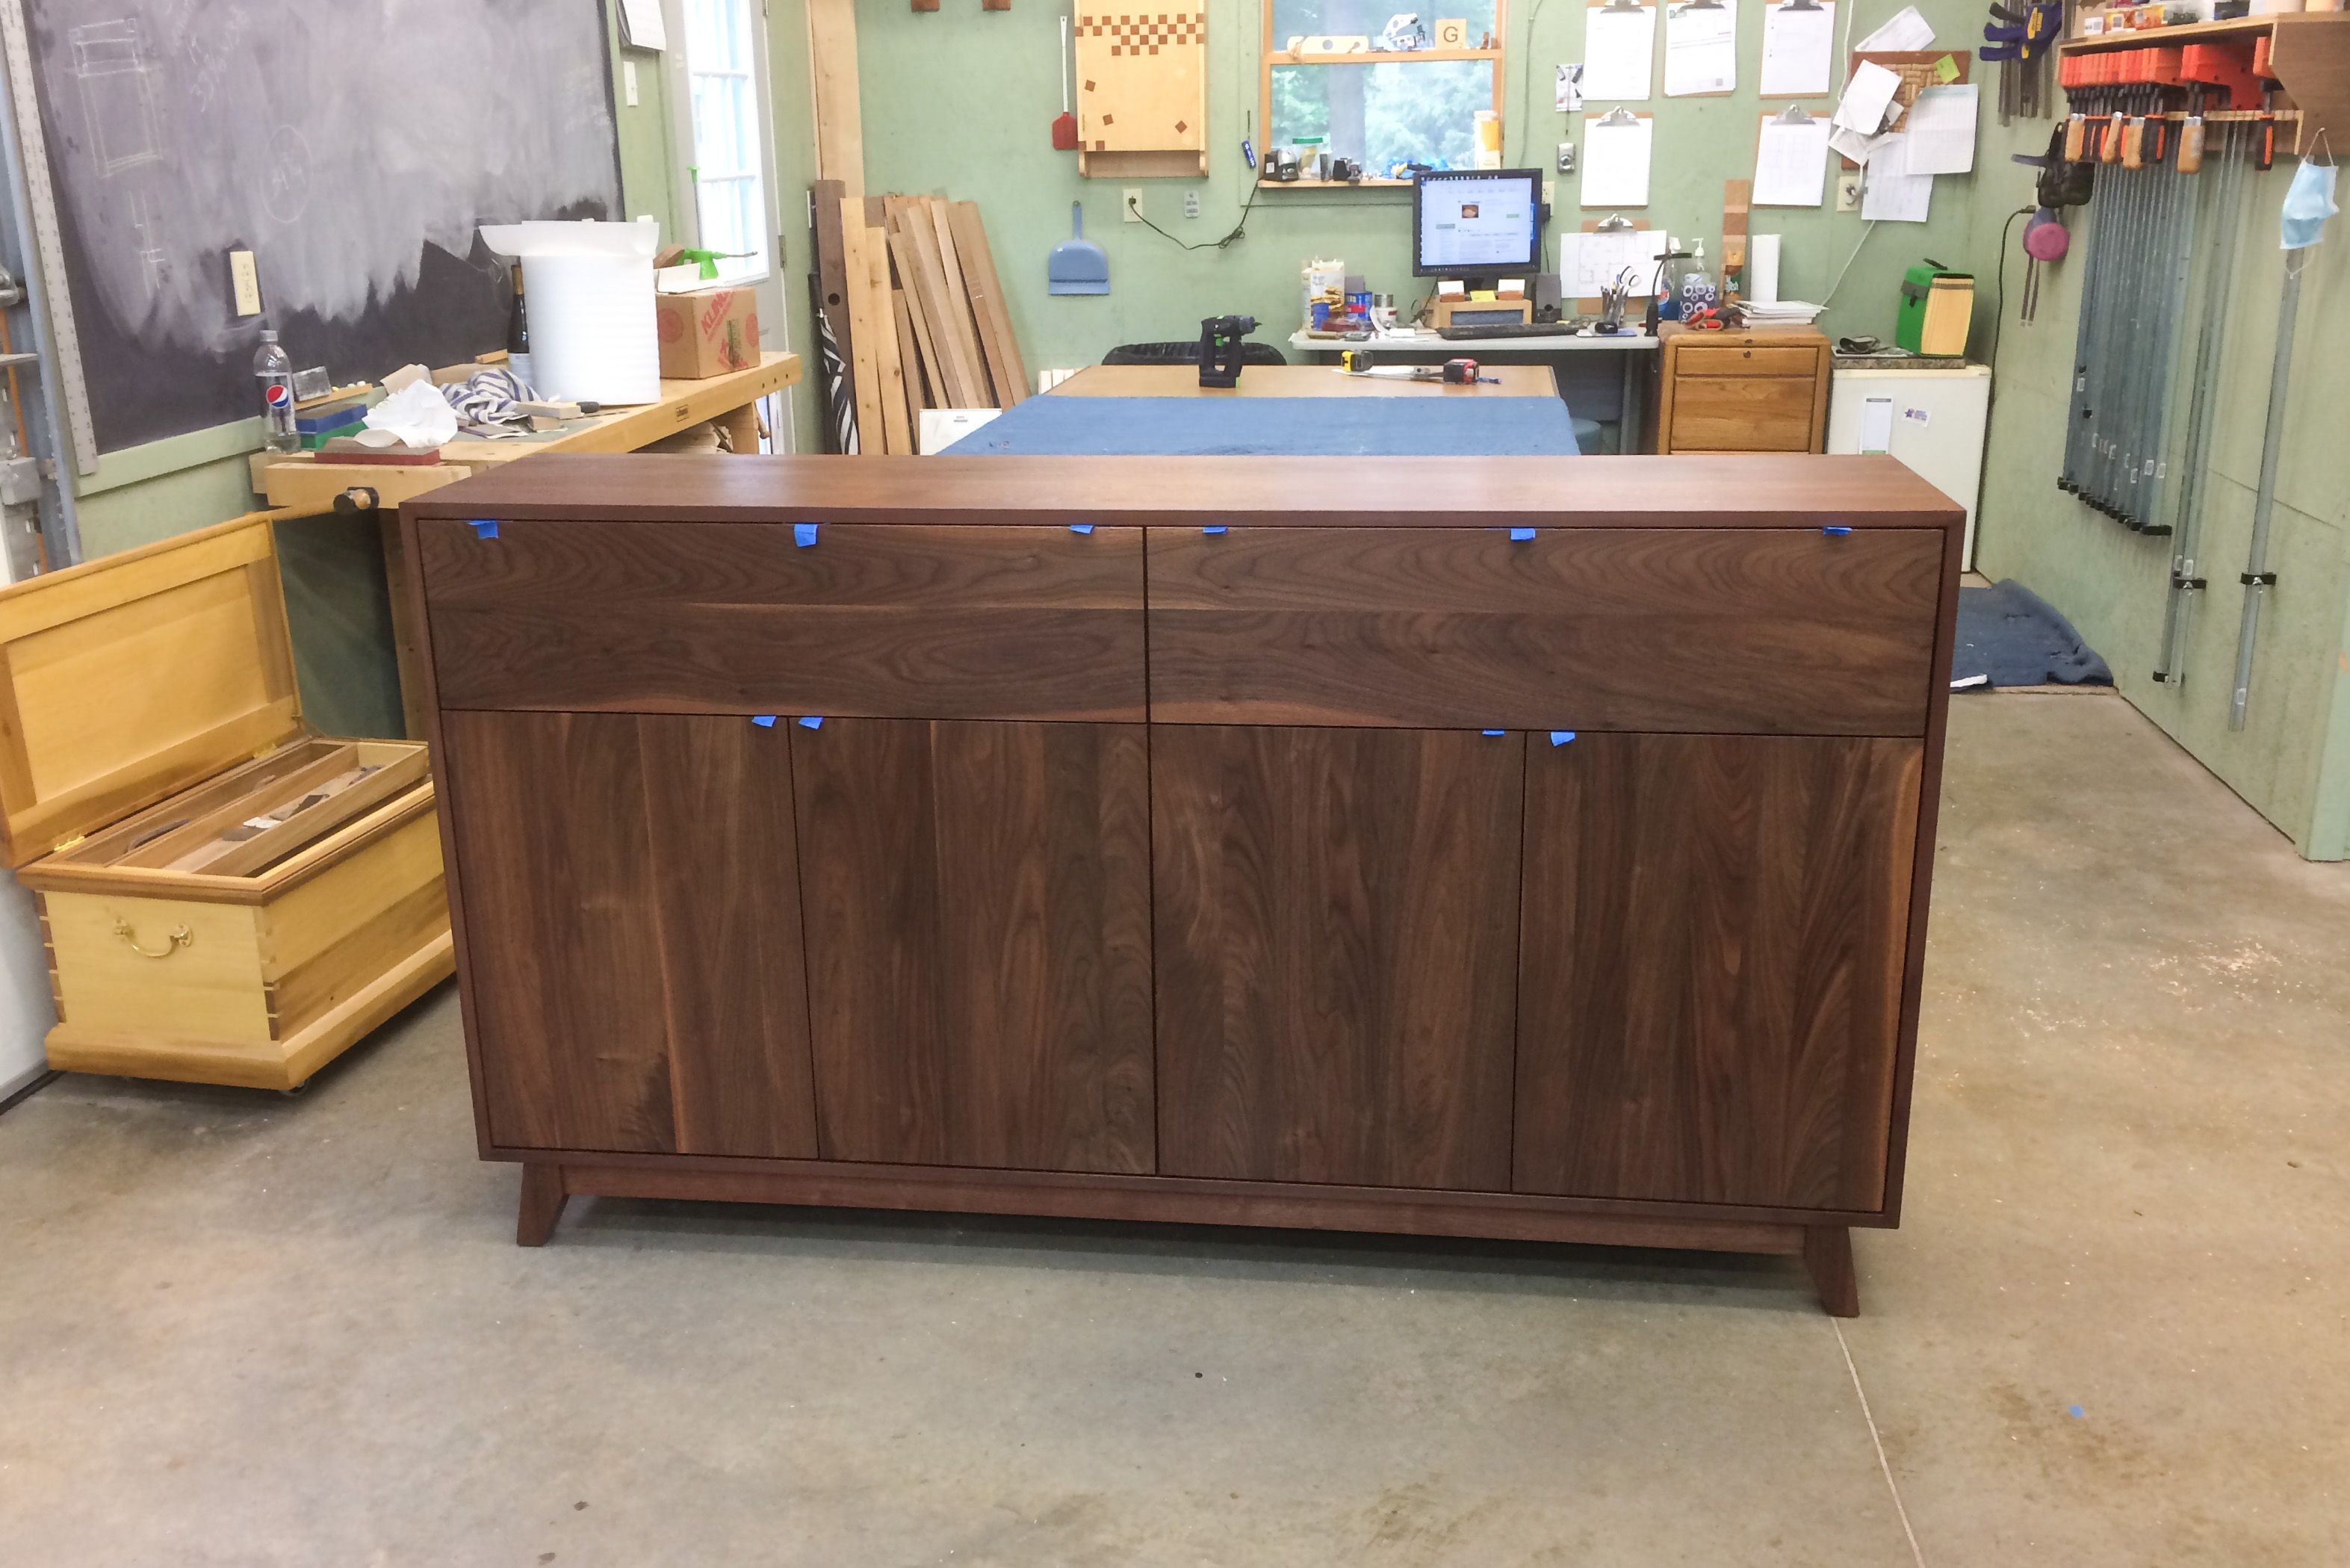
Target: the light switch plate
pixel 628 82
pixel 1550 192
pixel 1130 204
pixel 244 283
pixel 1848 192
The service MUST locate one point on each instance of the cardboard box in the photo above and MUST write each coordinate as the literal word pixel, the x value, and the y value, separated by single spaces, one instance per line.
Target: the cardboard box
pixel 707 333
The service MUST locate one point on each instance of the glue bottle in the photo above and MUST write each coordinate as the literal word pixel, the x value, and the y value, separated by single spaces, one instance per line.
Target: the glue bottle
pixel 275 373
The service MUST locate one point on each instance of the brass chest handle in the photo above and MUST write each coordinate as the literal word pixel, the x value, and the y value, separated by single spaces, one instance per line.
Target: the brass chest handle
pixel 181 937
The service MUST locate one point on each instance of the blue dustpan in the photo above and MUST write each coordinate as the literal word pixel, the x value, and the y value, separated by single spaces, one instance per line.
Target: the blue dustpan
pixel 1077 265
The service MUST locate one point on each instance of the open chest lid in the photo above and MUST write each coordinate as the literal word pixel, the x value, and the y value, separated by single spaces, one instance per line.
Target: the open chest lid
pixel 126 679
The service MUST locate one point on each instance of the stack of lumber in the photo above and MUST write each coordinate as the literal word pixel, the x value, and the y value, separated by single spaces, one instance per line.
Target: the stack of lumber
pixel 914 313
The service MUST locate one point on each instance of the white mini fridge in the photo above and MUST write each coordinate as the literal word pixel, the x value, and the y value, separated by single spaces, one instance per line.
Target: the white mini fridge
pixel 1931 420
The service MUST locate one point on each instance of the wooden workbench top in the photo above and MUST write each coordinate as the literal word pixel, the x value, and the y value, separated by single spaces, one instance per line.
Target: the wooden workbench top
pixel 1755 491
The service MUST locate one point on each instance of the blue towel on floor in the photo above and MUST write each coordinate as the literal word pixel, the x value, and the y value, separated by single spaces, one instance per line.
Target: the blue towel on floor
pixel 2015 637
pixel 1053 426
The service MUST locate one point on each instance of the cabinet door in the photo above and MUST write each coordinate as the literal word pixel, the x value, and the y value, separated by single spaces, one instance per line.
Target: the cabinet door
pixel 979 942
pixel 1336 938
pixel 1710 988
pixel 630 898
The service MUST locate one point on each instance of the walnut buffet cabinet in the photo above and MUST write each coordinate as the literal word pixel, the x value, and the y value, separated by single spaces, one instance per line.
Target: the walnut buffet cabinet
pixel 1511 848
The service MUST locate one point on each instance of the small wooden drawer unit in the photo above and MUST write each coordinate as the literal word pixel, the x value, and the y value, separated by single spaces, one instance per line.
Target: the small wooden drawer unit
pixel 225 897
pixel 1765 390
pixel 1451 847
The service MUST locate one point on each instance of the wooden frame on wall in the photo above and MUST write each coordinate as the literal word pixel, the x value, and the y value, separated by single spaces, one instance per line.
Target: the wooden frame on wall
pixel 1269 57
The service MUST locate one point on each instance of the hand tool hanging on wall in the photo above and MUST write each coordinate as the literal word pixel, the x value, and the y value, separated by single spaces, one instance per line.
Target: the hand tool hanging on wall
pixel 1065 126
pixel 2021 40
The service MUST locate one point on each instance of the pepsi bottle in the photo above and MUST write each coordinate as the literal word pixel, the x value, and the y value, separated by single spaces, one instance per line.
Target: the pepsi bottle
pixel 275 373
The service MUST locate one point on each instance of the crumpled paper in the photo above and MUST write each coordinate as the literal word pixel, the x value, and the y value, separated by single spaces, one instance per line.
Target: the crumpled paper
pixel 417 414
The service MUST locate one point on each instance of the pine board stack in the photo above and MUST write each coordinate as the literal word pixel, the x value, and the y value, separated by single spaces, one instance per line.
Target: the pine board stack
pixel 913 317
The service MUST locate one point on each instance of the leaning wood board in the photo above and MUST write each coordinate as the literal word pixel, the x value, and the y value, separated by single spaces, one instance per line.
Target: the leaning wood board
pixel 1357 865
pixel 225 897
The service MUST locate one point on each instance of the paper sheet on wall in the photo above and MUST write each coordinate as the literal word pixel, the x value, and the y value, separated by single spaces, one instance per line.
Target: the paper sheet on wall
pixel 1619 51
pixel 1798 51
pixel 641 25
pixel 1853 145
pixel 1893 194
pixel 1590 262
pixel 1865 98
pixel 1701 50
pixel 1570 88
pixel 1907 30
pixel 1616 162
pixel 1877 425
pixel 1790 163
pixel 1942 131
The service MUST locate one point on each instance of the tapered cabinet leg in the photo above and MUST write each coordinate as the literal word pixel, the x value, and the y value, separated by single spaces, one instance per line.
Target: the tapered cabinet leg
pixel 541 1204
pixel 1827 1252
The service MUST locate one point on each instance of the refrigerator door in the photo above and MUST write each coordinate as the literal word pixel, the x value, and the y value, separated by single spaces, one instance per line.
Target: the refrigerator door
pixel 1931 420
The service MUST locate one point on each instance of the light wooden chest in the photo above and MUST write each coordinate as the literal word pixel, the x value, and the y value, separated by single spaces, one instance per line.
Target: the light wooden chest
pixel 226 896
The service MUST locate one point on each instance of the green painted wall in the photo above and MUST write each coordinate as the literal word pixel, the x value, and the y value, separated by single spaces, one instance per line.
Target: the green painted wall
pixel 2292 760
pixel 958 101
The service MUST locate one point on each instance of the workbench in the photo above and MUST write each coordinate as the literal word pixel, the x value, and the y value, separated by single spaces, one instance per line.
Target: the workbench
pixel 1569 357
pixel 730 400
pixel 1436 846
pixel 1296 381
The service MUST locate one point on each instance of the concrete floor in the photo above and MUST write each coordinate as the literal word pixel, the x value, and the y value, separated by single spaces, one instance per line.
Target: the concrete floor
pixel 242 1330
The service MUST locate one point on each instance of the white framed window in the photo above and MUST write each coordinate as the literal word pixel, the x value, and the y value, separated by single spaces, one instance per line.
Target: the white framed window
pixel 728 162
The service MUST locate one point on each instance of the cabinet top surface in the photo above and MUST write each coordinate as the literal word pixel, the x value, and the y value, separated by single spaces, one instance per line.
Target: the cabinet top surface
pixel 1760 491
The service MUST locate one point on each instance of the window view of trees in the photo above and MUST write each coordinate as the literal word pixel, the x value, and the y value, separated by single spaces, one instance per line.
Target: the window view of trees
pixel 1385 114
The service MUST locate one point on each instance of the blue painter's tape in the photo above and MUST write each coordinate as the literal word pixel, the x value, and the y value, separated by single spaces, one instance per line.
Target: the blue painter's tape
pixel 1561 737
pixel 2076 1412
pixel 765 720
pixel 1081 527
pixel 1497 731
pixel 1219 528
pixel 1520 535
pixel 1835 533
pixel 803 534
pixel 484 528
pixel 810 722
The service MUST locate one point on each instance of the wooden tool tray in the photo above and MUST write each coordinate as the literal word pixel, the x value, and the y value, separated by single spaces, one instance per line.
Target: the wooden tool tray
pixel 226 896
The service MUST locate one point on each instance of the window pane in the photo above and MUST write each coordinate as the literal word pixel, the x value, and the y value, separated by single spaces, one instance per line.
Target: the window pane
pixel 1385 114
pixel 1346 18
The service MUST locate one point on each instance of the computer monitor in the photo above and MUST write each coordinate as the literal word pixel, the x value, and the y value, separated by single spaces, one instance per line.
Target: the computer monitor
pixel 1477 223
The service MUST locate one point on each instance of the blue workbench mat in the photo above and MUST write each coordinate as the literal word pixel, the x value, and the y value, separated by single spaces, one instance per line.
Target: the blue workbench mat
pixel 1056 426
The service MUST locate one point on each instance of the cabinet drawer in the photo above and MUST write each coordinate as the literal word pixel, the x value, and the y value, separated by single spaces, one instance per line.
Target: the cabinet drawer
pixel 1743 413
pixel 1765 631
pixel 873 620
pixel 1730 359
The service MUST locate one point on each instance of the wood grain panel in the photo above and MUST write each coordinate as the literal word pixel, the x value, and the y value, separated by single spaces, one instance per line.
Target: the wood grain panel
pixel 1790 631
pixel 633 930
pixel 979 942
pixel 1709 981
pixel 1732 359
pixel 1743 413
pixel 735 617
pixel 1337 920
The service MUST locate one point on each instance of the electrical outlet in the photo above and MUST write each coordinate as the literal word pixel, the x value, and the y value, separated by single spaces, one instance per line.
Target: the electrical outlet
pixel 628 82
pixel 1191 203
pixel 1848 192
pixel 1550 192
pixel 1567 157
pixel 1131 204
pixel 244 283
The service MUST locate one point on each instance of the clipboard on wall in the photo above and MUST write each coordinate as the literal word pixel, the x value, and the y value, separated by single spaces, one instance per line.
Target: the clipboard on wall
pixel 1701 48
pixel 1628 236
pixel 1798 49
pixel 1619 52
pixel 1618 147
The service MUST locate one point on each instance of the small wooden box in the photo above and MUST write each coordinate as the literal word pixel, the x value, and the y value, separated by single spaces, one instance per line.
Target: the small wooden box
pixel 226 897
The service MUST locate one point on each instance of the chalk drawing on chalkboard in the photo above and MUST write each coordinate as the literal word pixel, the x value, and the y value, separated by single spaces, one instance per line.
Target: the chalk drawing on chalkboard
pixel 154 261
pixel 117 90
pixel 287 193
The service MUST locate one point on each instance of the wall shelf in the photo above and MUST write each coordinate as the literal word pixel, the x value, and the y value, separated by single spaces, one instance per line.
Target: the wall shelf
pixel 2309 52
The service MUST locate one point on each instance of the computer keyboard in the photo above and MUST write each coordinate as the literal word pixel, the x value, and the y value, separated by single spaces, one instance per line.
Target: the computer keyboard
pixel 1505 330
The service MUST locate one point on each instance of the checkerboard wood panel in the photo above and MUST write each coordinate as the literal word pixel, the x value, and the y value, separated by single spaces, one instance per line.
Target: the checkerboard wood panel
pixel 1142 77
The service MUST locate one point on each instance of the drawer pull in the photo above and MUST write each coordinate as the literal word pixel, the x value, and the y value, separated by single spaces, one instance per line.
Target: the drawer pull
pixel 180 937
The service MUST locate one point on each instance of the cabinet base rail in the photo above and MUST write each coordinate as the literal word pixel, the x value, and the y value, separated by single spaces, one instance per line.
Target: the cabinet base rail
pixel 1827 1249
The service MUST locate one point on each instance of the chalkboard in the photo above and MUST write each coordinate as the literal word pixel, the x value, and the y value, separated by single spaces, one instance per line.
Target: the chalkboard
pixel 354 148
